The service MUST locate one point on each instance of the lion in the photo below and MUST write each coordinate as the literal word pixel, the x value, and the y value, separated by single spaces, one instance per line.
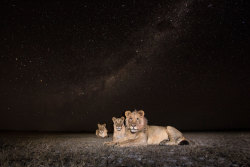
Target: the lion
pixel 101 131
pixel 119 130
pixel 136 130
pixel 140 133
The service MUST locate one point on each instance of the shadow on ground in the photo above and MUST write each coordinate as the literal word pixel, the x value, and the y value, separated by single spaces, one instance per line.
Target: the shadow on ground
pixel 40 149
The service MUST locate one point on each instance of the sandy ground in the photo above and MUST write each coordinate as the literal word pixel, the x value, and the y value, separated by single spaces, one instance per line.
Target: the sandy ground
pixel 60 149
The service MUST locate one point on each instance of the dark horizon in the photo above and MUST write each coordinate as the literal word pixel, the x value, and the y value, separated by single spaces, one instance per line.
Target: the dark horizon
pixel 66 66
pixel 111 130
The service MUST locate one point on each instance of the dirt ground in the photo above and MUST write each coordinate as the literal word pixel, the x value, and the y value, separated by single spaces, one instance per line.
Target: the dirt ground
pixel 67 149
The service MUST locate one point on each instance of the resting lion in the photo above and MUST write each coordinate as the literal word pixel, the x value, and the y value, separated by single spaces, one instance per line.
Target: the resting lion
pixel 101 131
pixel 139 133
pixel 119 130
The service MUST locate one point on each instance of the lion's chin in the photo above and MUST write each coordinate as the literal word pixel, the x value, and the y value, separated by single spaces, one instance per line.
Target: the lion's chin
pixel 133 130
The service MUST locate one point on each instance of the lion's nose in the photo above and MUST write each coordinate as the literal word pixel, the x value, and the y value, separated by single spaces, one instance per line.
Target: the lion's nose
pixel 133 125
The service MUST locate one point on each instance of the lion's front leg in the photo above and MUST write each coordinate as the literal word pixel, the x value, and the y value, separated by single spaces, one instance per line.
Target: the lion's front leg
pixel 132 142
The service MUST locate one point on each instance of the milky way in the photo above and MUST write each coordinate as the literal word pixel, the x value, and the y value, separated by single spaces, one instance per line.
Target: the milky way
pixel 70 65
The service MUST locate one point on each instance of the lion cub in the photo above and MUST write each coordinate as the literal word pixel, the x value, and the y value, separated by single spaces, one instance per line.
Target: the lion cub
pixel 101 131
pixel 119 130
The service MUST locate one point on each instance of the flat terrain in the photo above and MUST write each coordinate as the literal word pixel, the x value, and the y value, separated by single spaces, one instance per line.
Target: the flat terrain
pixel 60 149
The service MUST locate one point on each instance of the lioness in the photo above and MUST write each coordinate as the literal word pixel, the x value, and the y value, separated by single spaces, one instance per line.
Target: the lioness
pixel 101 131
pixel 139 133
pixel 119 130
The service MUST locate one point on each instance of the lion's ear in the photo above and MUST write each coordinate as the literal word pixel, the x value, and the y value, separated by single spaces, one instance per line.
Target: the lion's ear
pixel 141 112
pixel 122 118
pixel 113 119
pixel 127 113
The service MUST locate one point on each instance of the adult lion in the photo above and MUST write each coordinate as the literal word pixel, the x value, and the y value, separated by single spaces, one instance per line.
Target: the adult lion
pixel 140 133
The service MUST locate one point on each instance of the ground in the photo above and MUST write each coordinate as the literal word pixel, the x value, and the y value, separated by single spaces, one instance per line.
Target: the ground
pixel 81 149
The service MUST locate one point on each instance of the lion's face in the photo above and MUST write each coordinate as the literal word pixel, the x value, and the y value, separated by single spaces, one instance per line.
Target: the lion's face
pixel 101 128
pixel 118 123
pixel 135 120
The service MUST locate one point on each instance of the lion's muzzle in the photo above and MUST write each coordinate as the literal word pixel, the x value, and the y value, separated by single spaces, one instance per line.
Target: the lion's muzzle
pixel 133 128
pixel 118 128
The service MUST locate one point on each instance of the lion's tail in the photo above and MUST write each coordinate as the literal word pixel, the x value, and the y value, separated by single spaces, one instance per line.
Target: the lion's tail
pixel 183 141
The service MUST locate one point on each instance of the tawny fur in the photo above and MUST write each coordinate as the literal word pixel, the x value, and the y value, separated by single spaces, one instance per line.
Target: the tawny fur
pixel 101 131
pixel 119 130
pixel 139 133
pixel 136 125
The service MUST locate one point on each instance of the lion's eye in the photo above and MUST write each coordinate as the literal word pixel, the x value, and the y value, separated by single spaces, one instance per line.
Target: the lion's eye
pixel 137 119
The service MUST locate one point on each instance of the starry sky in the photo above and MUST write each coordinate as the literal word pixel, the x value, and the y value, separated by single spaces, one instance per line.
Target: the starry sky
pixel 68 65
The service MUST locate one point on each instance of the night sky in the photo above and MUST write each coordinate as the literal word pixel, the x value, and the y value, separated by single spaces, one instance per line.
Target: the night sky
pixel 66 66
